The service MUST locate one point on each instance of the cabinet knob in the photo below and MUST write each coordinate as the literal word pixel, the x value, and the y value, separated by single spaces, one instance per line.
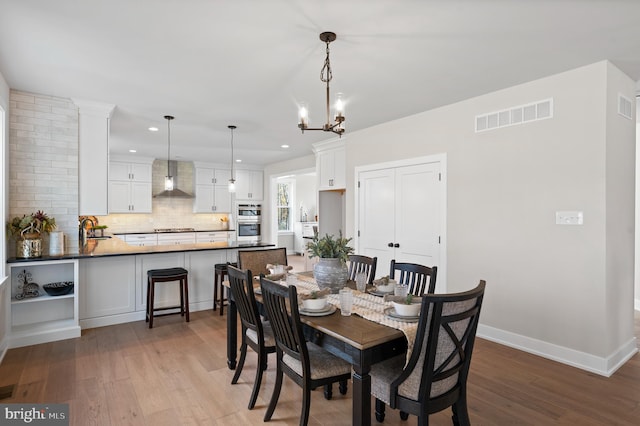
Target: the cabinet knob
pixel 396 245
pixel 390 245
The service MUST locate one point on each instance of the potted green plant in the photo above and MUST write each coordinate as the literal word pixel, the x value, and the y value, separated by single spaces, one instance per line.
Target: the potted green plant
pixel 27 231
pixel 333 252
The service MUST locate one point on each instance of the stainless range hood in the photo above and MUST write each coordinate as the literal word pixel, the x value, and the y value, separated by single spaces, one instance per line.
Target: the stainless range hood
pixel 175 192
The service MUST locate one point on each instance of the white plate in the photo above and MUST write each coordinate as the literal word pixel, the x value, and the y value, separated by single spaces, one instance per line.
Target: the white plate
pixel 317 313
pixel 379 293
pixel 391 313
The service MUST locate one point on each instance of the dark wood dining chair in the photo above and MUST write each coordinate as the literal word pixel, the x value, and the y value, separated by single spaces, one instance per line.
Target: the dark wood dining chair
pixel 420 279
pixel 366 264
pixel 257 260
pixel 435 377
pixel 306 363
pixel 256 333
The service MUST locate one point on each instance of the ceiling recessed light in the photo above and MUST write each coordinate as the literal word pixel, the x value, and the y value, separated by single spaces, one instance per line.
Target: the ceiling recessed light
pixel 153 129
pixel 284 146
pixel 132 150
pixel 238 160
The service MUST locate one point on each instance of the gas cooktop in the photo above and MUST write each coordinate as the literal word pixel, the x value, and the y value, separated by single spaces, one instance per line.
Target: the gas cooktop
pixel 174 230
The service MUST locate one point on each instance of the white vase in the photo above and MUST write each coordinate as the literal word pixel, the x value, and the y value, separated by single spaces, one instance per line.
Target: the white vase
pixel 330 273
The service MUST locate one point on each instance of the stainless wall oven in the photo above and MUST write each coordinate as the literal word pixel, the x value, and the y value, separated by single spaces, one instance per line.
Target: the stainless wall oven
pixel 249 223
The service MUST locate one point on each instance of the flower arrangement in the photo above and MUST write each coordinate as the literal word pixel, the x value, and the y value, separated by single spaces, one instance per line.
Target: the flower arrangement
pixel 330 247
pixel 35 223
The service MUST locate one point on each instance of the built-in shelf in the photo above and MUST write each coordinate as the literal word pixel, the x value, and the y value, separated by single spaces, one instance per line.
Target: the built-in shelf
pixel 42 298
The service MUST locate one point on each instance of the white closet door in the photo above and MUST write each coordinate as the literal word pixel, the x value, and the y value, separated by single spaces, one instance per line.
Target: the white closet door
pixel 399 215
pixel 376 223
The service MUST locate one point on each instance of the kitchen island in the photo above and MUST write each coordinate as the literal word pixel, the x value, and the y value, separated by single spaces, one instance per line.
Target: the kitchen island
pixel 109 279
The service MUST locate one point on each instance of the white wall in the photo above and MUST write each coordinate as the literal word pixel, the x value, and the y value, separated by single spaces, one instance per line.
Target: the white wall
pixel 4 146
pixel 565 292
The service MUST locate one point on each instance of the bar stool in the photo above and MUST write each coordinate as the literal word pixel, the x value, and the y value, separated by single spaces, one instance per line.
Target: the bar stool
pixel 219 273
pixel 166 275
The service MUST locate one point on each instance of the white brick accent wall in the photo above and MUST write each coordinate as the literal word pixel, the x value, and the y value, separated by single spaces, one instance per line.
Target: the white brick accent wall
pixel 43 161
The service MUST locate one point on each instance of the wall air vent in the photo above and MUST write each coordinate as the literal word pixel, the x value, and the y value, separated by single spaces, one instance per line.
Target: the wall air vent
pixel 625 106
pixel 515 115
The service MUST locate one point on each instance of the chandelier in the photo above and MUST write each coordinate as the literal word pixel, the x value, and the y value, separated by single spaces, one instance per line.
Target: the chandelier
pixel 232 181
pixel 325 76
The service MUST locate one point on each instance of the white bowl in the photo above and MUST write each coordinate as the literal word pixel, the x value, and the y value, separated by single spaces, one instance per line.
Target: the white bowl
pixel 315 304
pixel 402 309
pixel 386 288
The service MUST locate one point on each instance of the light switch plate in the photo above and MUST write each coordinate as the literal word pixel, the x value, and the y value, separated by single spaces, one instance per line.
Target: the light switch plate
pixel 569 218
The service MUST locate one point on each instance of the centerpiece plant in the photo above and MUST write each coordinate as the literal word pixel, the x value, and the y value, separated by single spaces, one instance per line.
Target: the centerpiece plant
pixel 330 272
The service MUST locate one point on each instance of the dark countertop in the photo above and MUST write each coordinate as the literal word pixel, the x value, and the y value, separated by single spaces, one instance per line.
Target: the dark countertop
pixel 117 247
pixel 173 232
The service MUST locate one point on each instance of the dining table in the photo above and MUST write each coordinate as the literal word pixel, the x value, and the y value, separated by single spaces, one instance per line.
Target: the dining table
pixel 361 342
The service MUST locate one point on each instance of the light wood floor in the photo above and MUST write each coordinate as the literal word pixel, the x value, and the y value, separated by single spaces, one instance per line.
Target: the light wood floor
pixel 176 374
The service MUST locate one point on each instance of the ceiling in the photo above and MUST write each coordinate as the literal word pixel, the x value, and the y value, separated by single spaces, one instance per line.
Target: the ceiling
pixel 250 62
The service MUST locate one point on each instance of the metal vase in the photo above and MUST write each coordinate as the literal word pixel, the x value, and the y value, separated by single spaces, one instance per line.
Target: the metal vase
pixel 330 273
pixel 29 247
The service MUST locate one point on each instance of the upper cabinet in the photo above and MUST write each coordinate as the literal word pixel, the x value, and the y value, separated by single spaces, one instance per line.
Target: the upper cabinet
pixel 130 185
pixel 249 184
pixel 212 191
pixel 93 156
pixel 331 165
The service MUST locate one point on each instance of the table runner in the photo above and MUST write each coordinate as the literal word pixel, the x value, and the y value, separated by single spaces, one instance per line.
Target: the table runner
pixel 367 306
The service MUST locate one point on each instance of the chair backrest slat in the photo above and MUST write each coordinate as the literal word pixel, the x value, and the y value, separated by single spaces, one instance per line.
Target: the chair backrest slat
pixel 420 279
pixel 281 304
pixel 241 285
pixel 366 264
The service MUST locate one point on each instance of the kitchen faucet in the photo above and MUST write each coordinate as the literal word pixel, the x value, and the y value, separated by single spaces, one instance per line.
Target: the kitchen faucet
pixel 83 231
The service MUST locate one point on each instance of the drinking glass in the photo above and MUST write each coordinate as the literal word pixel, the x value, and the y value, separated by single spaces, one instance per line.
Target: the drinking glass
pixel 292 279
pixel 361 281
pixel 401 290
pixel 346 300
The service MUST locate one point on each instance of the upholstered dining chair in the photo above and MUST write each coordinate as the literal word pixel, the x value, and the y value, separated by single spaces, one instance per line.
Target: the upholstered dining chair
pixel 256 333
pixel 304 362
pixel 366 264
pixel 420 279
pixel 435 377
pixel 257 260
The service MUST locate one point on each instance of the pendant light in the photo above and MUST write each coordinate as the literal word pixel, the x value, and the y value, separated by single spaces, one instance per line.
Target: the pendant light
pixel 168 179
pixel 232 181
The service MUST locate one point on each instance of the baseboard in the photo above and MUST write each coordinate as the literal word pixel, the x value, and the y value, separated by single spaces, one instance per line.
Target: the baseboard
pixel 134 316
pixel 598 365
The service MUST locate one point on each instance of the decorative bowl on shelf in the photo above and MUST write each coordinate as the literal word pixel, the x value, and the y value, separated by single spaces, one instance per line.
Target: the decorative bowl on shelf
pixel 59 288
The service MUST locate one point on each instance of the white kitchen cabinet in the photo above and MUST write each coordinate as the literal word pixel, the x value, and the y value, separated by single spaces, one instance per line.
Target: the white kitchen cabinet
pixel 44 318
pixel 176 238
pixel 140 239
pixel 108 289
pixel 330 166
pixel 212 192
pixel 130 186
pixel 212 237
pixel 249 184
pixel 93 156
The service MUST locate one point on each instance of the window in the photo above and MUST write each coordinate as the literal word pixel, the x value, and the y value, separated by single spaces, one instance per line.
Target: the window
pixel 283 204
